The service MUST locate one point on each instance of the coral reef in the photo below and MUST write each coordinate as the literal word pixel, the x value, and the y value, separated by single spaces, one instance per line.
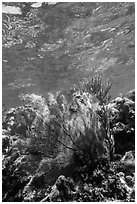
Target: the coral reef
pixel 74 146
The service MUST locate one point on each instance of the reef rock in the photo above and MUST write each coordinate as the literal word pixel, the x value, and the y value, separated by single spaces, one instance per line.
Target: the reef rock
pixel 123 122
pixel 61 190
pixel 129 159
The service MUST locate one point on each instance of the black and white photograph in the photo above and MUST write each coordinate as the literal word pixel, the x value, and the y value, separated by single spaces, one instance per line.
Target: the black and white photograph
pixel 68 101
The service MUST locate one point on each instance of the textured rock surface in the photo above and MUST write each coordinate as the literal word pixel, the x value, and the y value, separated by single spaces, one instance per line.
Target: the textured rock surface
pixel 123 122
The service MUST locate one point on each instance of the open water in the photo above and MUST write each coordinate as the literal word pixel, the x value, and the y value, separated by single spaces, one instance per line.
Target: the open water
pixel 49 47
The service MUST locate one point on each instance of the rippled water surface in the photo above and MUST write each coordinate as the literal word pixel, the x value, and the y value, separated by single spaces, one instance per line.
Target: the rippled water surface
pixel 56 45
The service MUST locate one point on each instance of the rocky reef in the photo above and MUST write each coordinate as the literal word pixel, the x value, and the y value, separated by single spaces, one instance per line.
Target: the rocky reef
pixel 74 146
pixel 116 182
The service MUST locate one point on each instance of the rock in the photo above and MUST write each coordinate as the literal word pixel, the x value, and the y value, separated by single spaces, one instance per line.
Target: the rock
pixel 61 190
pixel 118 100
pixel 131 95
pixel 53 196
pixel 128 163
pixel 119 127
pixel 60 181
pixel 128 159
pixel 129 180
pixel 129 103
pixel 121 174
pixel 132 195
pixel 124 140
pixel 123 122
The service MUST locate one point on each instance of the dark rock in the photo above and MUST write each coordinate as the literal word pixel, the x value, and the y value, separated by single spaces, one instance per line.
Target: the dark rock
pixel 61 190
pixel 129 180
pixel 123 122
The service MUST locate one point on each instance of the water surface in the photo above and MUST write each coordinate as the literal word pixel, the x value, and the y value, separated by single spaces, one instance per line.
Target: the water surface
pixel 52 47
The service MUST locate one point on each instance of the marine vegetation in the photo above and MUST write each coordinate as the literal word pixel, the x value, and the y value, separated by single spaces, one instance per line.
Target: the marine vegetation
pixel 74 145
